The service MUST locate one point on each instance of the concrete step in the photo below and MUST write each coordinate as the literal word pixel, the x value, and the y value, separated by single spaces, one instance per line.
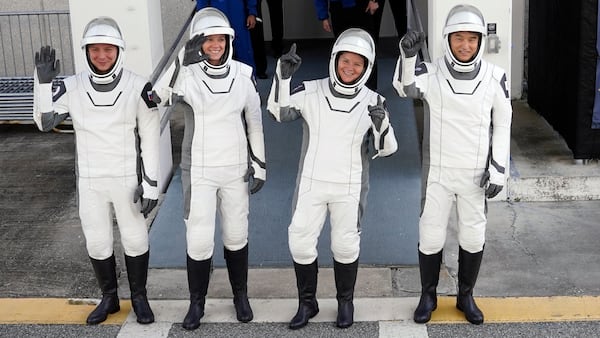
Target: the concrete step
pixel 543 167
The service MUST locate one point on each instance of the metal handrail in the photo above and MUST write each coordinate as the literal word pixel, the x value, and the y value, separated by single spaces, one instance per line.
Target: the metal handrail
pixel 164 61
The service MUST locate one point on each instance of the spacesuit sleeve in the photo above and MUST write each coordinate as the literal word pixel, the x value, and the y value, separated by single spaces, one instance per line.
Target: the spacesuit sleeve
pixel 148 123
pixel 280 104
pixel 384 140
pixel 46 113
pixel 167 86
pixel 405 77
pixel 501 121
pixel 254 132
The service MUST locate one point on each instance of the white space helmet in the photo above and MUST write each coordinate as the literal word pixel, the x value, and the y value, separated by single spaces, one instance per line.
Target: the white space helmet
pixel 357 41
pixel 211 21
pixel 103 30
pixel 464 18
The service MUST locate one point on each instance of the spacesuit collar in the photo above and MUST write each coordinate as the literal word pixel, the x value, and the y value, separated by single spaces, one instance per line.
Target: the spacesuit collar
pixel 109 86
pixel 337 94
pixel 463 75
pixel 220 73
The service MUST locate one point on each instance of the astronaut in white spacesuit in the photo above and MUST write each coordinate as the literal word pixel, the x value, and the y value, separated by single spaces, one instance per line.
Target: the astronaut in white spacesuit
pixel 117 138
pixel 223 149
pixel 340 116
pixel 465 148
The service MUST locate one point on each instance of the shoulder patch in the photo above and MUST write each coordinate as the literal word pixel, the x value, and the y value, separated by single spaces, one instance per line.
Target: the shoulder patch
pixel 147 95
pixel 58 90
pixel 421 68
pixel 298 88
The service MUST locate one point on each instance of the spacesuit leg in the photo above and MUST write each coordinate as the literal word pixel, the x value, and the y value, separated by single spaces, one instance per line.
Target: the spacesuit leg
pixel 200 224
pixel 345 245
pixel 345 232
pixel 96 222
pixel 96 218
pixel 233 198
pixel 470 206
pixel 132 224
pixel 233 209
pixel 307 222
pixel 434 218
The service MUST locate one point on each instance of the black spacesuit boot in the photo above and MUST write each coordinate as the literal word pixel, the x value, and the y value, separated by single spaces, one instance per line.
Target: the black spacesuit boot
pixel 237 268
pixel 345 279
pixel 306 280
pixel 429 266
pixel 137 274
pixel 468 269
pixel 198 277
pixel 106 275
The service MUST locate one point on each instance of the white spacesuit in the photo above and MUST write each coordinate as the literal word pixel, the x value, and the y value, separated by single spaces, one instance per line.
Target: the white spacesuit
pixel 465 148
pixel 333 174
pixel 117 138
pixel 223 147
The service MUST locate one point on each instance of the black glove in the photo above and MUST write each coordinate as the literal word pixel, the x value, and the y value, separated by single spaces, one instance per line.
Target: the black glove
pixel 257 183
pixel 412 42
pixel 289 63
pixel 377 113
pixel 193 50
pixel 491 189
pixel 147 204
pixel 46 64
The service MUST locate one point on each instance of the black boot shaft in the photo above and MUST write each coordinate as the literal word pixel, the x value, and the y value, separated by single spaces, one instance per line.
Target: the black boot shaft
pixel 198 273
pixel 429 268
pixel 106 275
pixel 306 281
pixel 468 270
pixel 137 274
pixel 345 280
pixel 237 268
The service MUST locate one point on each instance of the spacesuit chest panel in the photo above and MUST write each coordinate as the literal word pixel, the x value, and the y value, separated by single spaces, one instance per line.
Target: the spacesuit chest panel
pixel 460 117
pixel 337 128
pixel 219 137
pixel 221 85
pixel 105 124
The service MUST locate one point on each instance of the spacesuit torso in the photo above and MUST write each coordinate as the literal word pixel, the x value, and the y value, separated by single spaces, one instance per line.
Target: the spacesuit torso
pixel 106 125
pixel 454 122
pixel 337 129
pixel 218 136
